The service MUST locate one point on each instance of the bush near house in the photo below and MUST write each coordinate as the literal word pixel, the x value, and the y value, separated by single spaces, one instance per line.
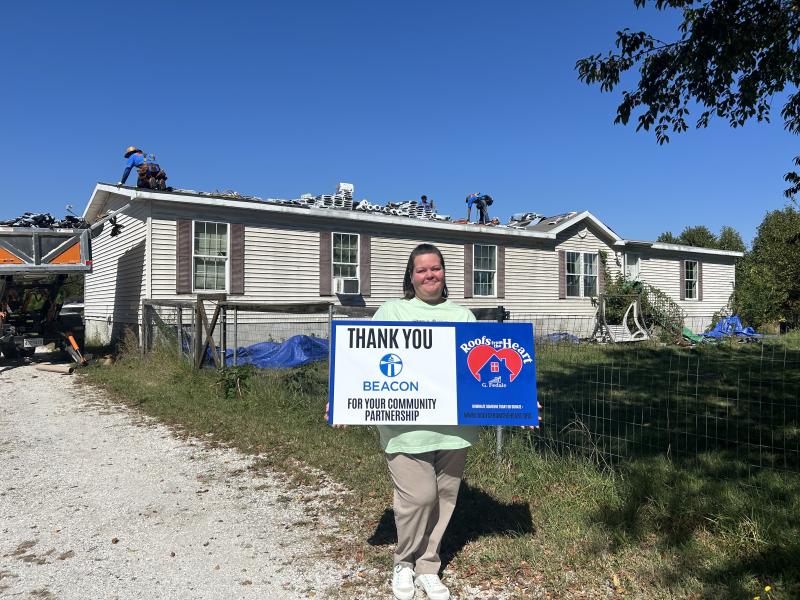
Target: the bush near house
pixel 768 277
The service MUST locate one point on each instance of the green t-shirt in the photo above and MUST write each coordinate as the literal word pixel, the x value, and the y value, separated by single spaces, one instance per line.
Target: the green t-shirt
pixel 415 439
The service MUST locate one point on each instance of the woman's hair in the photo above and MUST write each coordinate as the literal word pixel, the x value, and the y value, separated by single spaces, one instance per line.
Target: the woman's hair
pixel 408 288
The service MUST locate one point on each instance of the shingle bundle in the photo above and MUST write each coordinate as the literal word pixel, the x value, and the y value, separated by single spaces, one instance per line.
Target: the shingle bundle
pixel 409 208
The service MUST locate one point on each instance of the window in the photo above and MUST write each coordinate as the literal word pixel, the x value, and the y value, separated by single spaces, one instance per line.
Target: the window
pixel 210 256
pixel 345 255
pixel 691 278
pixel 632 267
pixel 581 274
pixel 484 270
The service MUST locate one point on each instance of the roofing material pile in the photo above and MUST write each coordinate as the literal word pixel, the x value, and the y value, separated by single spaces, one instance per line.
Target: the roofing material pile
pixel 410 208
pixel 343 199
pixel 521 220
pixel 45 221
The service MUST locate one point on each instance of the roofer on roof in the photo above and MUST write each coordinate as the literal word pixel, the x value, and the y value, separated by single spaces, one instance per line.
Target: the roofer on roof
pixel 150 174
pixel 426 203
pixel 481 201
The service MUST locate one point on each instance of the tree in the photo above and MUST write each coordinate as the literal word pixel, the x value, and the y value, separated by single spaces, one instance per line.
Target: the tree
pixel 730 58
pixel 702 236
pixel 729 239
pixel 699 236
pixel 667 238
pixel 768 278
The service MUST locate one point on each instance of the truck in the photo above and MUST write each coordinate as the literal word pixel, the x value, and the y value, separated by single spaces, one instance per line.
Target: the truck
pixel 35 265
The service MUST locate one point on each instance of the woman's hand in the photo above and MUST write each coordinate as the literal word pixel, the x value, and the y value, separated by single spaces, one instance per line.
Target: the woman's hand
pixel 327 414
pixel 539 412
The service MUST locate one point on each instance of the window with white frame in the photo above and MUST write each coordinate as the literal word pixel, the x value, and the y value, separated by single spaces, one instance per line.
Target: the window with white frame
pixel 345 258
pixel 210 256
pixel 581 268
pixel 690 279
pixel 484 269
pixel 632 266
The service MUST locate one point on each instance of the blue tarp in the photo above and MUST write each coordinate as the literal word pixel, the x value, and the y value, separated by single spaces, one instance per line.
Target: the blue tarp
pixel 731 326
pixel 297 350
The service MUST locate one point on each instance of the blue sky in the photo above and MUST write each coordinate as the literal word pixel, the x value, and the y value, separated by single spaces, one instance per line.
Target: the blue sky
pixel 445 98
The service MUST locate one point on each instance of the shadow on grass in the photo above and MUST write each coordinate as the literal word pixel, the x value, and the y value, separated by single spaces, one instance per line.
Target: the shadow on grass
pixel 477 515
pixel 728 527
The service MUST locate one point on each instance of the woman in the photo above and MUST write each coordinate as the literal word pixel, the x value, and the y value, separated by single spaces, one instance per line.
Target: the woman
pixel 426 462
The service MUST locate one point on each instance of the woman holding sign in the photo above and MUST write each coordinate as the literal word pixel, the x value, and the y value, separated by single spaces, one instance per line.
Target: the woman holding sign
pixel 426 462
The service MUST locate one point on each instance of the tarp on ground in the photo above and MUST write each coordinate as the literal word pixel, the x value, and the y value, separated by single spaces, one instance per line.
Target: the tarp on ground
pixel 732 326
pixel 296 351
pixel 692 337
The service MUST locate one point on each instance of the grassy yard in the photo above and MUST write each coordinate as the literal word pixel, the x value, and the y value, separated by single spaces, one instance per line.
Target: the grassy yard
pixel 545 520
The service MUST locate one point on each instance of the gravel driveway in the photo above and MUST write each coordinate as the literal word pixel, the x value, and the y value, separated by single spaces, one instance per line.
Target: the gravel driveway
pixel 97 502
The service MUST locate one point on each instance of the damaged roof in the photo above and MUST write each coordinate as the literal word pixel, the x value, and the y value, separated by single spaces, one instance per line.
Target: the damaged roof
pixel 409 212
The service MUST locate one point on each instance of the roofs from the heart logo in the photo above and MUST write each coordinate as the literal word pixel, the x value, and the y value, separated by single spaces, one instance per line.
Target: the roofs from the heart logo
pixel 482 354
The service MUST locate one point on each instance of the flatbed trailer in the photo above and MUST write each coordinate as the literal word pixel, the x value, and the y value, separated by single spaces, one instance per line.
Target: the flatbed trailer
pixel 34 266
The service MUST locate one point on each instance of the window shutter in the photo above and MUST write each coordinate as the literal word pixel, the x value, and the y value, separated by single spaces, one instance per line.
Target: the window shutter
pixel 501 271
pixel 683 280
pixel 468 270
pixel 601 275
pixel 365 264
pixel 237 259
pixel 325 263
pixel 562 275
pixel 699 280
pixel 183 257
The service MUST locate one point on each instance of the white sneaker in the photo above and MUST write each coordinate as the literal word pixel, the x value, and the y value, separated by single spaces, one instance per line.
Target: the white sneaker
pixel 433 587
pixel 403 582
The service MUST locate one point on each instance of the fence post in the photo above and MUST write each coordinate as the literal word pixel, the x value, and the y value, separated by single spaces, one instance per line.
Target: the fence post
pixel 235 334
pixel 198 327
pixel 179 322
pixel 501 316
pixel 224 335
pixel 145 328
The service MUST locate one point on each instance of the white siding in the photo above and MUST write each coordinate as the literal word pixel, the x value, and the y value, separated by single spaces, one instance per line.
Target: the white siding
pixel 281 263
pixel 116 285
pixel 571 240
pixel 663 271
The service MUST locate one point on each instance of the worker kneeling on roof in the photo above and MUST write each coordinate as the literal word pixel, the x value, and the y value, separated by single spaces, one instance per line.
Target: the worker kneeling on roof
pixel 150 174
pixel 481 202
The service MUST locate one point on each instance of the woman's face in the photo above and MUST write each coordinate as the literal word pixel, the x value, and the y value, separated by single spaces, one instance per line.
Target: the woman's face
pixel 428 278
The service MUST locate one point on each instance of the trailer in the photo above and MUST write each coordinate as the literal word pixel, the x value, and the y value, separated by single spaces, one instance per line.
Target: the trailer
pixel 34 266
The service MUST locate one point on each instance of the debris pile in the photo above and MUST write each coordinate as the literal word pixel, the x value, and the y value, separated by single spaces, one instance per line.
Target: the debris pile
pixel 522 220
pixel 410 208
pixel 46 221
pixel 343 200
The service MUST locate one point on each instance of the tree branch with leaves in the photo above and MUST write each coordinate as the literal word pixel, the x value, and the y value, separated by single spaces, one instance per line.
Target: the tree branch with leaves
pixel 730 59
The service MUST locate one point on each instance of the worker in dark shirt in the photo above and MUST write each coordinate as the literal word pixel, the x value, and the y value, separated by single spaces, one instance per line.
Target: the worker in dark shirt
pixel 481 202
pixel 426 203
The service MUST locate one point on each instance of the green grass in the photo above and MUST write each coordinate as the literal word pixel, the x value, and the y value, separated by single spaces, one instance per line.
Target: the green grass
pixel 542 519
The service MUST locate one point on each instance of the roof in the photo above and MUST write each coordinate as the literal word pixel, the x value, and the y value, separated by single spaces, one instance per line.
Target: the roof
pixel 547 228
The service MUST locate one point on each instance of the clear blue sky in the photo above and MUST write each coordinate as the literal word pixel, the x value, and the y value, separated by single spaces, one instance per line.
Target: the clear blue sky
pixel 445 98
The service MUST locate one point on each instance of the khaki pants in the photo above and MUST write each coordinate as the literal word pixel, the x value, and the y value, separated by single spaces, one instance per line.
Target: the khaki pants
pixel 425 492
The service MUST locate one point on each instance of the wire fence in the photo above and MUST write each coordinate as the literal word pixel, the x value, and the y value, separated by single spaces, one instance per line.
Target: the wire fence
pixel 612 402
